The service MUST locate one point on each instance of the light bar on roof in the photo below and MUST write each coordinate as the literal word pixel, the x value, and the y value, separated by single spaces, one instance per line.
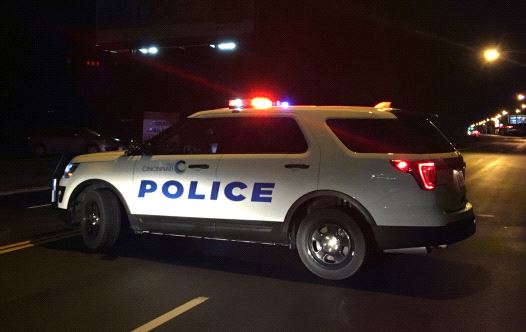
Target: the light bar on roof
pixel 256 103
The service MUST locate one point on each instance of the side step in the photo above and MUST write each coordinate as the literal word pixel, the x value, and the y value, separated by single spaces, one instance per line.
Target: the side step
pixel 415 250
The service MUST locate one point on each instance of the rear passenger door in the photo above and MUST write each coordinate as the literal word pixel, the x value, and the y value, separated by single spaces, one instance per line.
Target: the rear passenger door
pixel 267 163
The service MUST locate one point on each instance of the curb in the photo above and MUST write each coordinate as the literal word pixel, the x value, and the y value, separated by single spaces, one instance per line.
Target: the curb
pixel 24 190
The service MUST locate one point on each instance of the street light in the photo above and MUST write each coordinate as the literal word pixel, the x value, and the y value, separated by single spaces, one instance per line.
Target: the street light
pixel 152 50
pixel 491 54
pixel 224 46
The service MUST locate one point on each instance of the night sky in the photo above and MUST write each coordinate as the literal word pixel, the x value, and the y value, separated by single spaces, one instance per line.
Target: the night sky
pixel 421 55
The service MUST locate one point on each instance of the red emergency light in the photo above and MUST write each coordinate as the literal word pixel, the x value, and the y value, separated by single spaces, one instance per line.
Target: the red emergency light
pixel 255 103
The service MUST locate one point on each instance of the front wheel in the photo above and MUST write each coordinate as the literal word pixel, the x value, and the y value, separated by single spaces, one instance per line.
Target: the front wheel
pixel 100 219
pixel 331 244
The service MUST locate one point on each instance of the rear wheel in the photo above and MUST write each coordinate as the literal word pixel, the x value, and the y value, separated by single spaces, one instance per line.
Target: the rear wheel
pixel 331 244
pixel 100 219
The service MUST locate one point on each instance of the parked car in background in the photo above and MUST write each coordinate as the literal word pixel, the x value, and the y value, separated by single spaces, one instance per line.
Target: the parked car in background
pixel 71 140
pixel 508 131
pixel 474 132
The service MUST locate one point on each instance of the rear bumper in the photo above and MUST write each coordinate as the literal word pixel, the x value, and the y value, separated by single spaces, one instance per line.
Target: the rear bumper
pixel 393 237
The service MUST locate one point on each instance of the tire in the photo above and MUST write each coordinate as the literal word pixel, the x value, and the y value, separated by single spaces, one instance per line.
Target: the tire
pixel 331 244
pixel 100 219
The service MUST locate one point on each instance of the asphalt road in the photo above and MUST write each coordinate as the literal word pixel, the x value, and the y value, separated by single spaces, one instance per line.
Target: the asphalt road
pixel 52 283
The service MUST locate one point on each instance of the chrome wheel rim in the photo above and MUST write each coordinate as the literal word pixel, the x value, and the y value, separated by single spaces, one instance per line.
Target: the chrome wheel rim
pixel 331 245
pixel 93 219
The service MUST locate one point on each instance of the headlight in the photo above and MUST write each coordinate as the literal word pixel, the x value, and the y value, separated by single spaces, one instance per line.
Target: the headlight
pixel 69 170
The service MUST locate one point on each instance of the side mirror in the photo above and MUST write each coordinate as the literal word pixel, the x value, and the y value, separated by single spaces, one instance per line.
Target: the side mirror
pixel 138 148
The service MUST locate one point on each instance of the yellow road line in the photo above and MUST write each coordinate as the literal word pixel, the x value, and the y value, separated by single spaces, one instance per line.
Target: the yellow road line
pixel 43 240
pixel 14 244
pixel 39 239
pixel 170 314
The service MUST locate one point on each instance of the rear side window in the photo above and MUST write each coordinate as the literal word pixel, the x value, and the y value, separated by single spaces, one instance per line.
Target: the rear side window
pixel 261 135
pixel 405 134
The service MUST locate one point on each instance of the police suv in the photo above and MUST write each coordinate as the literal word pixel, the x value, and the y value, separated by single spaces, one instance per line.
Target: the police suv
pixel 335 182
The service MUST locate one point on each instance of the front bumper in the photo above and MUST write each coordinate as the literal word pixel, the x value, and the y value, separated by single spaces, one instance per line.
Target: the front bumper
pixel 57 193
pixel 394 237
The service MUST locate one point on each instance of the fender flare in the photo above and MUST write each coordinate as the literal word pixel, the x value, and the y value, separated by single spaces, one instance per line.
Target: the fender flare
pixel 288 223
pixel 98 184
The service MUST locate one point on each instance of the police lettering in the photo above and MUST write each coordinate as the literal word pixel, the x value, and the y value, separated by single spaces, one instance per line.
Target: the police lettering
pixel 234 191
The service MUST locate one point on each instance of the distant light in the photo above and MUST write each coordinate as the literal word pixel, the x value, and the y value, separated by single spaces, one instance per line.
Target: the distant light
pixel 504 112
pixel 491 54
pixel 228 46
pixel 212 45
pixel 285 104
pixel 517 110
pixel 523 106
pixel 151 50
pixel 520 96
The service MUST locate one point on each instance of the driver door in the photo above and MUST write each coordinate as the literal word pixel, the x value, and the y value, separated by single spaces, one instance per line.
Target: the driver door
pixel 172 186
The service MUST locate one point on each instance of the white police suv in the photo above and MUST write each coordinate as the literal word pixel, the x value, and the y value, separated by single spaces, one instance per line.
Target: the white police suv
pixel 335 182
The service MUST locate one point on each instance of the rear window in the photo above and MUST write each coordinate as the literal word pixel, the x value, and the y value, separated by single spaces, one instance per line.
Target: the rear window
pixel 407 133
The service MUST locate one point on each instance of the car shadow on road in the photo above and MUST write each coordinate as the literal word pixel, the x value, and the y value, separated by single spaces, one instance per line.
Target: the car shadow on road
pixel 418 276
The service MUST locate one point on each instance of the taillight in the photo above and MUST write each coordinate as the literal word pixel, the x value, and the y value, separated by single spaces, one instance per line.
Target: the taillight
pixel 428 174
pixel 424 172
pixel 401 165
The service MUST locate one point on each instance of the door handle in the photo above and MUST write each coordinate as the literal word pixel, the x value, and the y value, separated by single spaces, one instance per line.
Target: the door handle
pixel 300 166
pixel 199 166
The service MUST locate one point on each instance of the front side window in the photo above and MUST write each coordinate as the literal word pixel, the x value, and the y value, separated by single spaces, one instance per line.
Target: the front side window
pixel 194 136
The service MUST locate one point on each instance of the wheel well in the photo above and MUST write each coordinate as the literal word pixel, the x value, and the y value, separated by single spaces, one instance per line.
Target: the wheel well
pixel 349 206
pixel 78 196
